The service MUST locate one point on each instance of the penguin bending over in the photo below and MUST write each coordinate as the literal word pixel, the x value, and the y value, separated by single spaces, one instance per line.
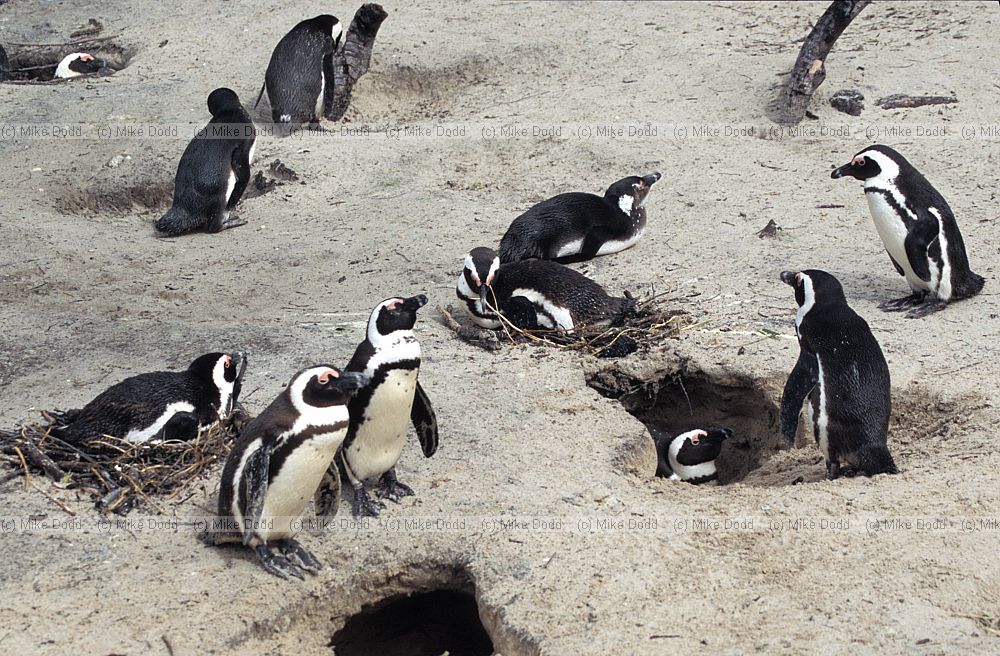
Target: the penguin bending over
pixel 81 63
pixel 918 230
pixel 843 372
pixel 214 170
pixel 535 294
pixel 300 69
pixel 169 405
pixel 690 456
pixel 390 357
pixel 278 462
pixel 578 226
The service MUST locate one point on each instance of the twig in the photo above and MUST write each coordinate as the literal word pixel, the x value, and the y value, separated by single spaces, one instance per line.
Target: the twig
pixel 24 464
pixel 54 500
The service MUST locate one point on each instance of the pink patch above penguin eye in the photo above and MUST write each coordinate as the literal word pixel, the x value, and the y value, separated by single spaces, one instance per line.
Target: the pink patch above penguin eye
pixel 229 360
pixel 394 304
pixel 86 58
pixel 325 377
pixel 695 440
pixel 858 161
pixel 798 278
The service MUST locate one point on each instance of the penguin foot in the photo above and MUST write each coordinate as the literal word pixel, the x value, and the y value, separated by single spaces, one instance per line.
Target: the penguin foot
pixel 900 304
pixel 390 488
pixel 299 555
pixel 832 470
pixel 929 307
pixel 364 506
pixel 275 564
pixel 232 222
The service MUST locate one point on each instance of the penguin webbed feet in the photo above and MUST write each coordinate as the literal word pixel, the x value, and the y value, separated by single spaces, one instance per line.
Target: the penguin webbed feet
pixel 364 506
pixel 232 221
pixel 928 307
pixel 906 303
pixel 299 556
pixel 390 488
pixel 280 566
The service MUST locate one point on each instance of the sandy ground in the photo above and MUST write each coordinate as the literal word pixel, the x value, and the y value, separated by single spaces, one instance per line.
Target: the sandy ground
pixel 91 297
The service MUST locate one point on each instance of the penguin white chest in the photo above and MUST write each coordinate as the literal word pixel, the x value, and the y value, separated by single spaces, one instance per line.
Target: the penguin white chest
pixel 382 435
pixel 319 98
pixel 892 231
pixel 289 492
pixel 818 415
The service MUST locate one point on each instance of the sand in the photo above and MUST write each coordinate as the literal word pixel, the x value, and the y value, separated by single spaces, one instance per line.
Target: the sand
pixel 603 557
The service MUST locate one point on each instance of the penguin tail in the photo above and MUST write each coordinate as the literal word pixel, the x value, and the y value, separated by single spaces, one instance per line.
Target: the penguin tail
pixel 972 285
pixel 177 221
pixel 261 94
pixel 514 249
pixel 875 459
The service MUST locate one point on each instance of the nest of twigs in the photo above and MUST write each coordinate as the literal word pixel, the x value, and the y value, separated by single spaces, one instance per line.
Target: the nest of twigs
pixel 120 475
pixel 650 324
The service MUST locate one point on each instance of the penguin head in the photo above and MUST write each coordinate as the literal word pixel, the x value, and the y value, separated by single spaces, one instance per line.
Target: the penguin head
pixel 692 454
pixel 630 193
pixel 813 287
pixel 478 274
pixel 873 162
pixel 80 63
pixel 322 386
pixel 225 372
pixel 221 100
pixel 393 315
pixel 332 25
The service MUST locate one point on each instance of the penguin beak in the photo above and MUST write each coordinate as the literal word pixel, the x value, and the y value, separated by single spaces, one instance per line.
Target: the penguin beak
pixel 841 171
pixel 350 382
pixel 485 293
pixel 724 433
pixel 239 359
pixel 414 303
pixel 788 277
pixel 650 179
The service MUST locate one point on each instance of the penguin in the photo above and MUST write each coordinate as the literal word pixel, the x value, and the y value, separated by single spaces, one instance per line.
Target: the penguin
pixel 4 65
pixel 278 462
pixel 168 405
pixel 535 294
pixel 579 226
pixel 843 372
pixel 690 456
pixel 300 69
pixel 390 357
pixel 81 63
pixel 214 170
pixel 918 230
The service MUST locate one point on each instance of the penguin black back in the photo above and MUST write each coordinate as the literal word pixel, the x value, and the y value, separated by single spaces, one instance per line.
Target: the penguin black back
pixel 145 406
pixel 578 226
pixel 214 170
pixel 300 70
pixel 843 372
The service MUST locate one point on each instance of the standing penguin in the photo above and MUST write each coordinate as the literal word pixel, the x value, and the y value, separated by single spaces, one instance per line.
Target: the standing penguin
pixel 300 69
pixel 214 170
pixel 170 405
pixel 918 229
pixel 390 357
pixel 578 226
pixel 534 294
pixel 278 462
pixel 690 456
pixel 843 372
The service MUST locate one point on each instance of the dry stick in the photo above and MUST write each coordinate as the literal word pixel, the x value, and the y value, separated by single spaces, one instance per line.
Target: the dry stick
pixel 55 500
pixel 27 476
pixel 809 71
pixel 44 462
pixel 351 62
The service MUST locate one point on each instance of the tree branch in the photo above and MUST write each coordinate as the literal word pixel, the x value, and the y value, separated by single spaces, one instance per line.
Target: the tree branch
pixel 351 61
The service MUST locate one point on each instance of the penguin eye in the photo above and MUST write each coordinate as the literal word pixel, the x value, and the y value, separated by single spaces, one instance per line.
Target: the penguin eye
pixel 229 361
pixel 858 161
pixel 798 278
pixel 695 440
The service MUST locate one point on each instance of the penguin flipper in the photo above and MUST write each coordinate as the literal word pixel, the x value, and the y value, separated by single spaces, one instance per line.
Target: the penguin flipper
pixel 895 264
pixel 254 484
pixel 800 383
pixel 327 497
pixel 424 421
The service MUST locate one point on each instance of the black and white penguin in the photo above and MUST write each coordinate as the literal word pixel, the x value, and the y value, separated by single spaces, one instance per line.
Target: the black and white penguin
pixel 578 226
pixel 81 63
pixel 690 456
pixel 214 170
pixel 843 372
pixel 380 412
pixel 300 69
pixel 918 229
pixel 535 294
pixel 169 405
pixel 278 462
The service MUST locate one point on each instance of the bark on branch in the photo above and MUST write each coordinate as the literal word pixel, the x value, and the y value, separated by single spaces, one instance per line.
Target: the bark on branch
pixel 809 70
pixel 351 61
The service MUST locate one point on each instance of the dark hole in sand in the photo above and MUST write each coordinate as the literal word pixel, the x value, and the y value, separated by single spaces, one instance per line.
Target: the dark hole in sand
pixel 684 401
pixel 38 63
pixel 419 624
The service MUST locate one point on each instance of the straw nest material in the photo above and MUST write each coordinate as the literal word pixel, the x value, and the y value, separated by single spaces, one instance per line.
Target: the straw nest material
pixel 119 475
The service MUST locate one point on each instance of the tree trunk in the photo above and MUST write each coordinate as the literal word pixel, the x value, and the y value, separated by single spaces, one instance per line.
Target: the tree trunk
pixel 351 61
pixel 809 71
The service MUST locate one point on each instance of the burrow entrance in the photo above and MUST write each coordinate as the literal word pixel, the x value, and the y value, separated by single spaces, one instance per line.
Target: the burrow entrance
pixel 31 64
pixel 675 403
pixel 417 624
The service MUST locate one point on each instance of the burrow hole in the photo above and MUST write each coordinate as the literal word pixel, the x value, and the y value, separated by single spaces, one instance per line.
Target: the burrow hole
pixel 31 64
pixel 424 623
pixel 684 401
